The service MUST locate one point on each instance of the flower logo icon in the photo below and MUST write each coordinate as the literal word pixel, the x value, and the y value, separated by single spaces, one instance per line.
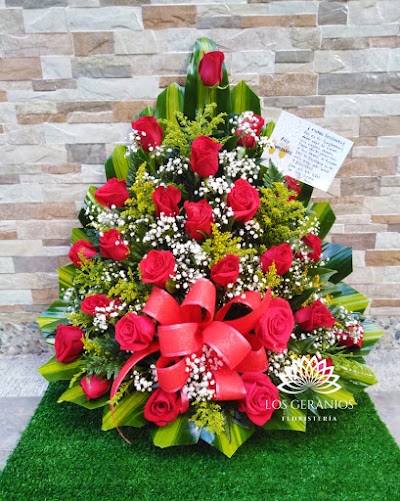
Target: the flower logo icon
pixel 309 373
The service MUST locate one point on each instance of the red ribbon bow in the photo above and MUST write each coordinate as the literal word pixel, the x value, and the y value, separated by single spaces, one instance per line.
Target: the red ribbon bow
pixel 184 329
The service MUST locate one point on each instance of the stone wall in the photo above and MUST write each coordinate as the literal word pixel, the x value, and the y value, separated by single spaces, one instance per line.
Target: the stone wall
pixel 73 73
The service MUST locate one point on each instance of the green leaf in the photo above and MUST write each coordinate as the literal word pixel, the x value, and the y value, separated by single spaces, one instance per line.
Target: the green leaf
pixel 178 432
pixel 229 441
pixel 57 371
pixel 149 111
pixel 117 165
pixel 89 199
pixel 273 175
pixel 347 368
pixel 344 295
pixel 297 301
pixel 328 400
pixel 289 416
pixel 372 334
pixel 76 395
pixel 270 128
pixel 340 259
pixel 66 276
pixel 325 215
pixel 79 234
pixel 54 315
pixel 305 194
pixel 169 102
pixel 244 99
pixel 127 412
pixel 196 93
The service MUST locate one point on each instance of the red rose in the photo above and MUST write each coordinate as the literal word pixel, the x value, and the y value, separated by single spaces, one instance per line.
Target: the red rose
pixel 113 246
pixel 81 247
pixel 261 399
pixel 315 243
pixel 226 271
pixel 134 332
pixel 114 192
pixel 243 200
pixel 150 131
pixel 276 325
pixel 166 200
pixel 199 218
pixel 292 185
pixel 281 255
pixel 204 157
pixel 210 68
pixel 157 267
pixel 94 386
pixel 162 407
pixel 91 304
pixel 314 316
pixel 68 343
pixel 250 126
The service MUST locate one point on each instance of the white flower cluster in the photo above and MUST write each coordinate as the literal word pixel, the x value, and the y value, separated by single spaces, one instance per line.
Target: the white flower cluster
pixel 238 165
pixel 201 383
pixel 145 381
pixel 175 165
pixel 351 327
pixel 248 280
pixel 278 362
pixel 216 186
pixel 103 315
pixel 133 141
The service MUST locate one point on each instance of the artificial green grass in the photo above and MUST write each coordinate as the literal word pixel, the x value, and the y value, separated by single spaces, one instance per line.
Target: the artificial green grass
pixel 63 455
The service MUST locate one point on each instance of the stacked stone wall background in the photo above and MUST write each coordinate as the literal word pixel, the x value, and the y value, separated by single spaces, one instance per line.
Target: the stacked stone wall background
pixel 73 73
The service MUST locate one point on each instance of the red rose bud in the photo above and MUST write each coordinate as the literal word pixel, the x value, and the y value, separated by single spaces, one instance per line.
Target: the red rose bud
pixel 91 304
pixel 157 267
pixel 94 386
pixel 293 185
pixel 199 216
pixel 134 332
pixel 112 245
pixel 162 407
pixel 281 255
pixel 244 200
pixel 261 399
pixel 314 243
pixel 84 248
pixel 314 316
pixel 210 68
pixel 150 132
pixel 68 343
pixel 166 200
pixel 226 271
pixel 249 127
pixel 204 157
pixel 114 192
pixel 276 325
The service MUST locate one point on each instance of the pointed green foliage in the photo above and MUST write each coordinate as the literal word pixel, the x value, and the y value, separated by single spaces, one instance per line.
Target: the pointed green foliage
pixel 57 371
pixel 305 194
pixel 244 99
pixel 117 165
pixel 169 102
pixel 149 111
pixel 54 315
pixel 344 295
pixel 66 276
pixel 196 93
pixel 325 216
pixel 372 334
pixel 127 412
pixel 79 234
pixel 289 416
pixel 340 259
pixel 231 439
pixel 352 370
pixel 181 431
pixel 333 400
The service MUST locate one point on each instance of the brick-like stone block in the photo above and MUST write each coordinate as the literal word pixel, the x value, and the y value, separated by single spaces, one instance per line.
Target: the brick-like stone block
pixel 380 126
pixel 11 21
pixel 20 68
pixel 45 20
pixel 101 67
pixel 52 85
pixel 104 19
pixel 295 84
pixel 360 242
pixel 159 17
pixel 86 153
pixel 125 111
pixel 368 167
pixel 37 44
pixel 293 56
pixel 56 67
pixel 88 44
pixel 360 186
pixel 359 83
pixel 33 264
pixel 383 258
pixel 44 296
pixel 287 21
pixel 332 13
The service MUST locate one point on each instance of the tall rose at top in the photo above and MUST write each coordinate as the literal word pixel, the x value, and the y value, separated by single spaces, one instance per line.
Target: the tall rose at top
pixel 150 131
pixel 204 157
pixel 210 68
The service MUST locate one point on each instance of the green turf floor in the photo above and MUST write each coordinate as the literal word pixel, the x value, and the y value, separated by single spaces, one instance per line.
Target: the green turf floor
pixel 63 456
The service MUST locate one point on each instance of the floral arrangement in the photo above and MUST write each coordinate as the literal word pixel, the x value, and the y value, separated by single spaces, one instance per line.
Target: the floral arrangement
pixel 201 299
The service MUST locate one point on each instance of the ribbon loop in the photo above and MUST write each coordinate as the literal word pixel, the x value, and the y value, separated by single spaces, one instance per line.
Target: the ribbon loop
pixel 228 385
pixel 162 307
pixel 171 373
pixel 180 339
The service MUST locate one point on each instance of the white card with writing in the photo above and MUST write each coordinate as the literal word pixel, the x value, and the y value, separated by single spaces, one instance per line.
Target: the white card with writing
pixel 307 152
